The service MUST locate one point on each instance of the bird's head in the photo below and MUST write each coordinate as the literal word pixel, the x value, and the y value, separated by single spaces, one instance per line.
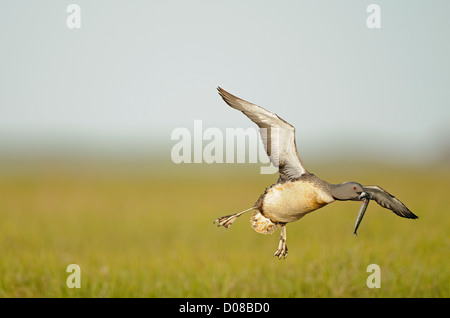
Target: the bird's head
pixel 348 191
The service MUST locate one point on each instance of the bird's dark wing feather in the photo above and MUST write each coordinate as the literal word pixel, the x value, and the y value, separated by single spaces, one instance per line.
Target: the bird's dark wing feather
pixel 388 201
pixel 278 136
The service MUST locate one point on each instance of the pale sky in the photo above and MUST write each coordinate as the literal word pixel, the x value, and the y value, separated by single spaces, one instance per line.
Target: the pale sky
pixel 136 70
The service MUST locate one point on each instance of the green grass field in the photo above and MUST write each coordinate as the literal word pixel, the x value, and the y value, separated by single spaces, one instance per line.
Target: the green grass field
pixel 150 234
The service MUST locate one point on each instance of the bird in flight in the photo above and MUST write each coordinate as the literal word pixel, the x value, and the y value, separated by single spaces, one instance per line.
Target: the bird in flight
pixel 297 192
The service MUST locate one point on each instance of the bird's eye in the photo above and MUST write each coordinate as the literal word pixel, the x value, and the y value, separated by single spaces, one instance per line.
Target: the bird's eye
pixel 354 188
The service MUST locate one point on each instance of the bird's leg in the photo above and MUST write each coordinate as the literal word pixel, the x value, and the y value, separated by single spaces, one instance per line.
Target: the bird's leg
pixel 282 250
pixel 227 220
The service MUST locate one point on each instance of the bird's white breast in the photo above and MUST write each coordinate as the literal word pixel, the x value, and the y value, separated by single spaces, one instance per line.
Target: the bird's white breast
pixel 288 202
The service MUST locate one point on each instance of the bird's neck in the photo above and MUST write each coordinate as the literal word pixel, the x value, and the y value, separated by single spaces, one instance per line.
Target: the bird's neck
pixel 338 192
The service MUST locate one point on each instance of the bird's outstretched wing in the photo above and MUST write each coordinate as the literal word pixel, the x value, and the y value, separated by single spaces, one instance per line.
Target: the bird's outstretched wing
pixel 278 136
pixel 388 201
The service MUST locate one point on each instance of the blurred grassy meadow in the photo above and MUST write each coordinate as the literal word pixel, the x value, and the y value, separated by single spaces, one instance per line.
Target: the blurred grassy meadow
pixel 144 230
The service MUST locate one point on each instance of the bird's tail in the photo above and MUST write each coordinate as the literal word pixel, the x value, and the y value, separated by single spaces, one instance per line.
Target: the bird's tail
pixel 261 224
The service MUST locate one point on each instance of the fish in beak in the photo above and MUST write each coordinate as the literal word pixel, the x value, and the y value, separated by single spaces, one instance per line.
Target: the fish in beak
pixel 365 198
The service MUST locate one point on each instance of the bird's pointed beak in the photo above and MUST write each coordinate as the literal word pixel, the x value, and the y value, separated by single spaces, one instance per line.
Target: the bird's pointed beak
pixel 364 197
